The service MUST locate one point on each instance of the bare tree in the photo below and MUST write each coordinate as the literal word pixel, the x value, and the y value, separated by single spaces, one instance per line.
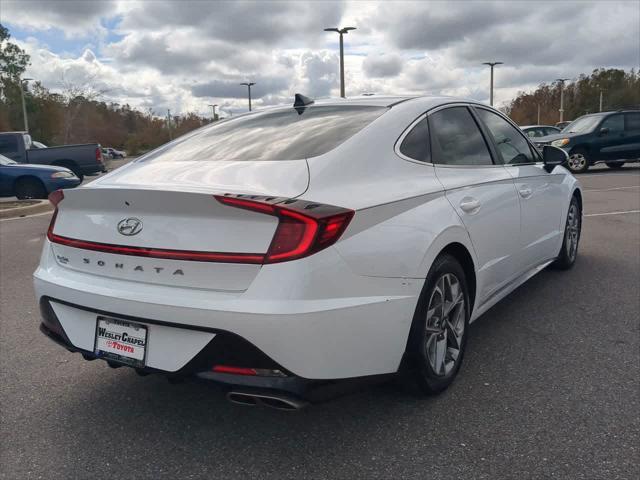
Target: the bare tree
pixel 74 96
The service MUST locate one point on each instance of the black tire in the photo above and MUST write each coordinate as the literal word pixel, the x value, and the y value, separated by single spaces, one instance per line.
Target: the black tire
pixel 30 187
pixel 615 165
pixel 576 164
pixel 567 256
pixel 73 167
pixel 417 371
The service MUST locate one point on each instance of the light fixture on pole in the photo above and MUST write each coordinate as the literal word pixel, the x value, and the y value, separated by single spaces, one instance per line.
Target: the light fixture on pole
pixel 213 111
pixel 24 105
pixel 561 80
pixel 249 84
pixel 491 64
pixel 341 31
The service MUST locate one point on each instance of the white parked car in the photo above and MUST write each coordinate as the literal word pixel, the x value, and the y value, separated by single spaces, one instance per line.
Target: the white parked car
pixel 284 250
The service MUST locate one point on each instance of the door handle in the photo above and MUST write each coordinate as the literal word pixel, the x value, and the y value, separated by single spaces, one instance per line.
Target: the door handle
pixel 525 192
pixel 470 205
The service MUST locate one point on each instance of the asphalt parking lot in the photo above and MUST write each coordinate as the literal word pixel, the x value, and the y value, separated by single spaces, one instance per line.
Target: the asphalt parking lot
pixel 549 388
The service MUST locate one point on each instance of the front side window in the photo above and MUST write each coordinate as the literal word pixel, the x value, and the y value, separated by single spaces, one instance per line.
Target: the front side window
pixel 416 144
pixel 283 134
pixel 456 138
pixel 512 146
pixel 615 123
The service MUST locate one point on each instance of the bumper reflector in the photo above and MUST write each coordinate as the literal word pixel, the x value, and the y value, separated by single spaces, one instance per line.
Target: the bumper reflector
pixel 256 372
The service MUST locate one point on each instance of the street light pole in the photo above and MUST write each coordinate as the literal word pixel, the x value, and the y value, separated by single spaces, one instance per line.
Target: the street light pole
pixel 491 64
pixel 213 111
pixel 561 80
pixel 601 92
pixel 24 105
pixel 538 114
pixel 169 124
pixel 341 32
pixel 248 84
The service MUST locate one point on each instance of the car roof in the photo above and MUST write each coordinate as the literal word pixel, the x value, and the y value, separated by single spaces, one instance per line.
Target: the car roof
pixel 538 126
pixel 388 100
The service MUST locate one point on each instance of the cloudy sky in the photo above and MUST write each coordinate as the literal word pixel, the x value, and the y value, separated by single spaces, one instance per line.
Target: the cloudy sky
pixel 185 55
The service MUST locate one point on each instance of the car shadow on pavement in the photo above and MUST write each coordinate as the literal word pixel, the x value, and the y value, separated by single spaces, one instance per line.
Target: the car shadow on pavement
pixel 510 372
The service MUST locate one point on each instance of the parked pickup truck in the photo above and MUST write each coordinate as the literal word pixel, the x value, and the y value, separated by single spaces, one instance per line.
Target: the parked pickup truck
pixel 82 160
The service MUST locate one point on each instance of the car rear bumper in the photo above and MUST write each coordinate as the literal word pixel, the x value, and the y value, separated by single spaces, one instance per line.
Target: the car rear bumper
pixel 308 338
pixel 223 349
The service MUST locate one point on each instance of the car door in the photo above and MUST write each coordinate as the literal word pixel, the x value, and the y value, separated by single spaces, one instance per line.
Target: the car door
pixel 540 193
pixel 632 134
pixel 609 142
pixel 481 192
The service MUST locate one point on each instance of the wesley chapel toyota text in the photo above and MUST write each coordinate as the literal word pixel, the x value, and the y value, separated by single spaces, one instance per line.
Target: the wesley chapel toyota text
pixel 284 251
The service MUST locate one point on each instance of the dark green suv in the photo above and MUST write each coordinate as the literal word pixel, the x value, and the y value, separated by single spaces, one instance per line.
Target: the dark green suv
pixel 609 137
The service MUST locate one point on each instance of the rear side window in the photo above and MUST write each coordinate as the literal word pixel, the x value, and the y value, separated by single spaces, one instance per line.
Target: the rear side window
pixel 283 134
pixel 416 144
pixel 632 121
pixel 512 146
pixel 456 139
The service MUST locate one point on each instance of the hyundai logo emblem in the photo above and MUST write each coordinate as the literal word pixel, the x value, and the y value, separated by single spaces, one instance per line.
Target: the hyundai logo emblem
pixel 130 226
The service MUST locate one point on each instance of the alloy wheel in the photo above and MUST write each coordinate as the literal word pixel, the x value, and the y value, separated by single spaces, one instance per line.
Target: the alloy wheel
pixel 445 324
pixel 572 233
pixel 577 162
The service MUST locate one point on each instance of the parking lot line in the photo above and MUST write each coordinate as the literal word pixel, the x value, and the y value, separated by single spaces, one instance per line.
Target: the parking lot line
pixel 26 216
pixel 611 213
pixel 609 189
pixel 589 175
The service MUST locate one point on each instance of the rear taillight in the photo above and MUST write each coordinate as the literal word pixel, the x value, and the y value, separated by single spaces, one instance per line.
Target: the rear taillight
pixel 304 228
pixel 99 158
pixel 55 198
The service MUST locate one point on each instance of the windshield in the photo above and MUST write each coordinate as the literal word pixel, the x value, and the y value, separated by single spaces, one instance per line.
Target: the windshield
pixel 582 124
pixel 283 134
pixel 6 161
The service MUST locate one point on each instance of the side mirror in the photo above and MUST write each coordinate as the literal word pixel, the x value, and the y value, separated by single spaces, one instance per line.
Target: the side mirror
pixel 553 156
pixel 604 131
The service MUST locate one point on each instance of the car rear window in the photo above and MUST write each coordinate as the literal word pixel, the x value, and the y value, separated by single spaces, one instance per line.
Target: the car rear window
pixel 283 134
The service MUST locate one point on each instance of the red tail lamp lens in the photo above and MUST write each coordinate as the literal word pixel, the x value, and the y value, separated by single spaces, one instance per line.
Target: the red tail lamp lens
pixel 56 197
pixel 303 228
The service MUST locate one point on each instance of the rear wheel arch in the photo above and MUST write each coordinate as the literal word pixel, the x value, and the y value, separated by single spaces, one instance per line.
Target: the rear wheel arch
pixel 70 164
pixel 578 194
pixel 462 255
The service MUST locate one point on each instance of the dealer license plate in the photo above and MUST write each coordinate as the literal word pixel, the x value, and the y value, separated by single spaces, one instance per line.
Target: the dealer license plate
pixel 122 341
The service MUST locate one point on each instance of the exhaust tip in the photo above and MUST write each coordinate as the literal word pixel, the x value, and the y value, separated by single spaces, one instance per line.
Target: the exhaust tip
pixel 242 399
pixel 272 400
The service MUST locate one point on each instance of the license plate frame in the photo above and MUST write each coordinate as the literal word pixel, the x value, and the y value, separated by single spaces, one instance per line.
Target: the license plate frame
pixel 109 343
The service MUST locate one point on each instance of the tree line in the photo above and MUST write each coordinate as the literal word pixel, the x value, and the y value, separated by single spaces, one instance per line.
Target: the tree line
pixel 78 113
pixel 620 90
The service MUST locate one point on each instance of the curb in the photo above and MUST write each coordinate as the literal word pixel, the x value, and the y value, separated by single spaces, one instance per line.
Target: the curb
pixel 40 207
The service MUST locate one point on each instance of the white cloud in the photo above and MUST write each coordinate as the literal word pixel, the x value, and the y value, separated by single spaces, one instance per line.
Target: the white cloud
pixel 185 55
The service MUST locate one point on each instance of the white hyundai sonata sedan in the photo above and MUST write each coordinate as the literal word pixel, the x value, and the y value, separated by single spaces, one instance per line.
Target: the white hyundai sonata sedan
pixel 294 252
